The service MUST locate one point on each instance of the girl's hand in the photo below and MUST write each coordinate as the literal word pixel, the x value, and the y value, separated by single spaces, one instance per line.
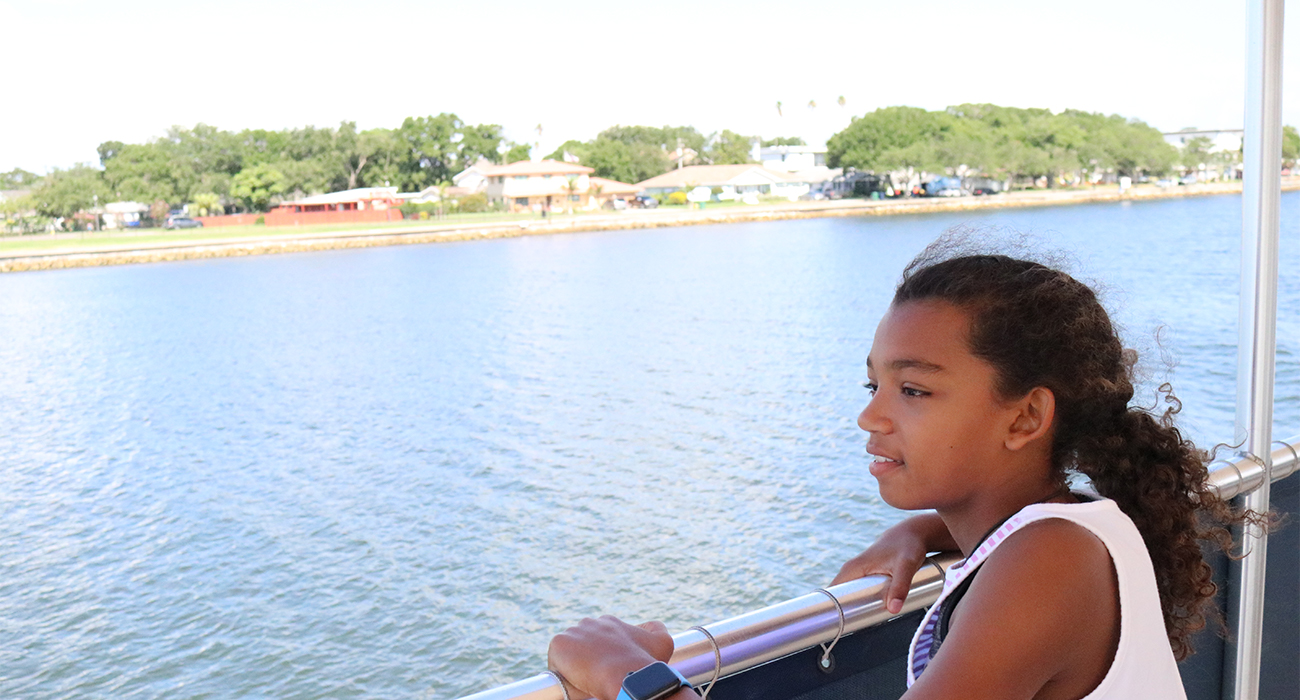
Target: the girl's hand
pixel 898 554
pixel 595 655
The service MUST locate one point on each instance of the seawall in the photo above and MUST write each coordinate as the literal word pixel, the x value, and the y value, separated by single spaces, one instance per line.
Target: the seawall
pixel 127 253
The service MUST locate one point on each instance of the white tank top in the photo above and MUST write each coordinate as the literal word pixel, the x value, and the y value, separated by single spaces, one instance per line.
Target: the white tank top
pixel 1144 665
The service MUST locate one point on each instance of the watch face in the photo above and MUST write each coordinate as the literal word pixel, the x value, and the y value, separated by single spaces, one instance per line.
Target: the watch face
pixel 653 682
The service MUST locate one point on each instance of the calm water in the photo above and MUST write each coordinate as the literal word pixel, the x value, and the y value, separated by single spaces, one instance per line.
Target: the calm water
pixel 397 472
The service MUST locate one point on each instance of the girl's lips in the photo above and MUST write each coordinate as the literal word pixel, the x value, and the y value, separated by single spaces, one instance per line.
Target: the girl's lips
pixel 883 465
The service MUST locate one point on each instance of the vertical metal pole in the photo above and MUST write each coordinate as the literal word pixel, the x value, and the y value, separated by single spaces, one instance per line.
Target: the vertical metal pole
pixel 1257 324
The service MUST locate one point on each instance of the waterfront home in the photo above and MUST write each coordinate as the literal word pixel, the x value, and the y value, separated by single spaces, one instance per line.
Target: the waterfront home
pixel 733 181
pixel 603 190
pixel 539 185
pixel 474 178
pixel 791 159
pixel 359 199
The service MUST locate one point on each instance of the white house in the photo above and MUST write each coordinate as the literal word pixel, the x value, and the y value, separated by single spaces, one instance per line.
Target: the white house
pixel 734 181
pixel 473 178
pixel 791 159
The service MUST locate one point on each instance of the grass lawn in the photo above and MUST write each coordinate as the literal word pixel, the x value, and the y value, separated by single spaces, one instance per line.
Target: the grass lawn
pixel 70 242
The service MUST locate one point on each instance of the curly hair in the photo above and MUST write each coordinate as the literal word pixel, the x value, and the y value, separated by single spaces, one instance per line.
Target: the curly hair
pixel 1040 327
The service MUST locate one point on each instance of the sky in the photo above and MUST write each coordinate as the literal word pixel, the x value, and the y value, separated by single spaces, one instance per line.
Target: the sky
pixel 80 73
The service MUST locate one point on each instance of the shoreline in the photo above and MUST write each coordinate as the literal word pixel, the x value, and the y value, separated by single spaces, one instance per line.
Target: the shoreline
pixel 127 254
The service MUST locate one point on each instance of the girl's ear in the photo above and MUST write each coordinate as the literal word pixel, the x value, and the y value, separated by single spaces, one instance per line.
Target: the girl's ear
pixel 1034 420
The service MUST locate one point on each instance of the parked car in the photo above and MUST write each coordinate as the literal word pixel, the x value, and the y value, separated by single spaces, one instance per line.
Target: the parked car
pixel 182 222
pixel 644 201
pixel 615 203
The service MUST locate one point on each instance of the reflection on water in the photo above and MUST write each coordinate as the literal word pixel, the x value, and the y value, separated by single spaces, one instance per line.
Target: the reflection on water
pixel 395 472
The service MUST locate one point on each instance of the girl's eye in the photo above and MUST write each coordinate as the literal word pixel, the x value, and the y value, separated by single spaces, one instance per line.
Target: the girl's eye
pixel 915 393
pixel 870 387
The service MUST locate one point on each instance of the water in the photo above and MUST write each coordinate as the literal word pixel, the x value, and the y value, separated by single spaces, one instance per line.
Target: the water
pixel 396 472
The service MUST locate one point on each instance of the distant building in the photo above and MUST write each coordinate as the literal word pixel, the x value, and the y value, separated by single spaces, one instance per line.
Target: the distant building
pixel 473 178
pixel 733 180
pixel 539 185
pixel 1222 139
pixel 792 159
pixel 359 199
pixel 603 189
pixel 124 214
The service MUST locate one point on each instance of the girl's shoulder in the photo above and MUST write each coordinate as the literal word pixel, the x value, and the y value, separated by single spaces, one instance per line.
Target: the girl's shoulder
pixel 1044 609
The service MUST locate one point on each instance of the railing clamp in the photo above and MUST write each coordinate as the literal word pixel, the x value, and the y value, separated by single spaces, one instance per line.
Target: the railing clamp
pixel 717 662
pixel 827 663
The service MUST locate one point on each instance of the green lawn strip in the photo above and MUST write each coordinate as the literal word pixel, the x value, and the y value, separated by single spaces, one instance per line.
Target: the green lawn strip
pixel 90 240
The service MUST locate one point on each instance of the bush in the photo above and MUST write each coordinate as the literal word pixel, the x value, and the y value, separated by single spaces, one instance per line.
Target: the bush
pixel 678 197
pixel 473 202
pixel 261 221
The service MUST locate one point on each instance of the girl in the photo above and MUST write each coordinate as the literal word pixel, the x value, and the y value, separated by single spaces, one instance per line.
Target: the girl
pixel 993 380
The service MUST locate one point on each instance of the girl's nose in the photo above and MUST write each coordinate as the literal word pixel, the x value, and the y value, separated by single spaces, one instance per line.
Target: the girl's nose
pixel 871 419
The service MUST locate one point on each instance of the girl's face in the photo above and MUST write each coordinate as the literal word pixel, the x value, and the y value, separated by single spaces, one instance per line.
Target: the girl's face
pixel 937 425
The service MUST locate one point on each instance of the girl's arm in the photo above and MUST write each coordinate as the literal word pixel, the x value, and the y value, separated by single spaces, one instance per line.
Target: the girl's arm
pixel 899 553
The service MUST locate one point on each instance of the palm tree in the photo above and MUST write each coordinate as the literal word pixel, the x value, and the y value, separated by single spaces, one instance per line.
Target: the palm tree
pixel 571 186
pixel 539 139
pixel 778 108
pixel 841 101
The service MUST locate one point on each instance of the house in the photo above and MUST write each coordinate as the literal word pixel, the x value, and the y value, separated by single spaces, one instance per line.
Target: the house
pixel 359 199
pixel 539 185
pixel 733 180
pixel 433 193
pixel 603 190
pixel 473 178
pixel 792 159
pixel 124 214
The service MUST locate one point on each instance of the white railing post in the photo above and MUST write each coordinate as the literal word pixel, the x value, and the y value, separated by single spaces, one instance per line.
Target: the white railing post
pixel 1257 324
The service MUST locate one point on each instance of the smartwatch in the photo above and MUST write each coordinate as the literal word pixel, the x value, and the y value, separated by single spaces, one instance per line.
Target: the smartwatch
pixel 654 682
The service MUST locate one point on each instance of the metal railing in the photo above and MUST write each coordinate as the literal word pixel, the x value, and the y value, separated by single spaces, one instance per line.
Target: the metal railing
pixel 757 637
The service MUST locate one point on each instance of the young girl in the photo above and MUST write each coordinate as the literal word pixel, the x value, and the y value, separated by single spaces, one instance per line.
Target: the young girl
pixel 992 380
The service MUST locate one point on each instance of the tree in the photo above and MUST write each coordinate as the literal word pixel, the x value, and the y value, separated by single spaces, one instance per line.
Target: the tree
pixel 256 186
pixel 147 172
pixel 1290 146
pixel 15 213
pixel 783 141
pixel 517 152
pixel 107 150
pixel 433 155
pixel 728 148
pixel 18 179
pixel 617 160
pixel 480 141
pixel 571 147
pixel 1196 151
pixel 890 138
pixel 65 192
pixel 207 204
pixel 571 187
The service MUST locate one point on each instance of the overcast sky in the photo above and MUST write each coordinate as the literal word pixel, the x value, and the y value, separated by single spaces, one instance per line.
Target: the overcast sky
pixel 79 73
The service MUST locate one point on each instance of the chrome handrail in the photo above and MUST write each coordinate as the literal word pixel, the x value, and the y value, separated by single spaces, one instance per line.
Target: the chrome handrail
pixel 754 638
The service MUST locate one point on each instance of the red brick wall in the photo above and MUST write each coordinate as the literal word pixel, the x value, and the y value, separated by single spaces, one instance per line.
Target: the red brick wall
pixel 277 217
pixel 228 220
